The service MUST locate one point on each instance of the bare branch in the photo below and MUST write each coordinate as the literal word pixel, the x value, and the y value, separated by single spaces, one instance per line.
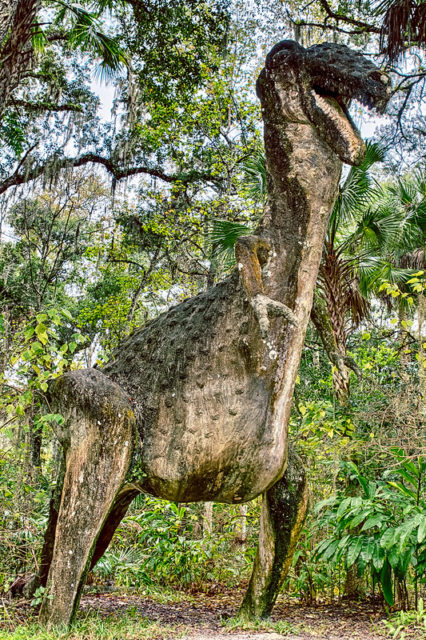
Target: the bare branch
pixel 338 17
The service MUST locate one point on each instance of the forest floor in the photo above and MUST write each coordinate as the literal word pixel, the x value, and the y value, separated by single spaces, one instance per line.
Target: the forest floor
pixel 122 616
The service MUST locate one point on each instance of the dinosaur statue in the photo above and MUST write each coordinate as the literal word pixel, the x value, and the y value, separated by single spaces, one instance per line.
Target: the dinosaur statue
pixel 195 405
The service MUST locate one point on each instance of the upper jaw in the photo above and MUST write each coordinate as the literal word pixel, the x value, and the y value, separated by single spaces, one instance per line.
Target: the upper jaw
pixel 327 77
pixel 348 73
pixel 328 110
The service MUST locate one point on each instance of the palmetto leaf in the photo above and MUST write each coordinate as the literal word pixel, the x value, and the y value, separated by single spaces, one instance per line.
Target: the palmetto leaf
pixel 223 236
pixel 254 176
pixel 358 187
pixel 85 32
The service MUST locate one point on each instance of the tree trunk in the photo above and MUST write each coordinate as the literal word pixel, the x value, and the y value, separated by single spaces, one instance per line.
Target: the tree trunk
pixel 353 583
pixel 242 534
pixel 16 53
pixel 334 341
pixel 284 508
pixel 35 437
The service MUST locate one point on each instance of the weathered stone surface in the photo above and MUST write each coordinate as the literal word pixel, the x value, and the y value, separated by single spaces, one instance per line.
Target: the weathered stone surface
pixel 208 385
pixel 98 450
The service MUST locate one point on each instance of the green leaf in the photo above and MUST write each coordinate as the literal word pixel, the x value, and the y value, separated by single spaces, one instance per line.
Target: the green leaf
pixel 387 539
pixel 386 582
pixel 367 551
pixel 343 506
pixel 375 521
pixel 67 314
pixel 403 532
pixel 421 533
pixel 41 332
pixel 394 557
pixel 330 550
pixel 354 551
pixel 28 333
pixel 37 348
pixel 402 489
pixel 357 520
pixel 378 557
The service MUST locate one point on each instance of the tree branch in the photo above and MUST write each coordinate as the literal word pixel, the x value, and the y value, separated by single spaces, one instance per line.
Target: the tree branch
pixel 47 106
pixel 347 19
pixel 118 173
pixel 331 27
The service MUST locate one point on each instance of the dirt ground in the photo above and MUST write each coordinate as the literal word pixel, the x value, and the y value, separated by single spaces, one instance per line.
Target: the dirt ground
pixel 204 615
pixel 209 616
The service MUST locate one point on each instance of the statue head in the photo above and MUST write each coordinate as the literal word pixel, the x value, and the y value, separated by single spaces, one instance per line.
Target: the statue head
pixel 316 85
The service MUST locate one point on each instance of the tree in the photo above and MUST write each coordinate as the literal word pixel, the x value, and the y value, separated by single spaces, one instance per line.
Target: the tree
pixel 40 265
pixel 56 60
pixel 25 35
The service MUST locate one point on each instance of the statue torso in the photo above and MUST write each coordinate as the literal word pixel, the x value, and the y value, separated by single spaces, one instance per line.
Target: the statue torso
pixel 201 396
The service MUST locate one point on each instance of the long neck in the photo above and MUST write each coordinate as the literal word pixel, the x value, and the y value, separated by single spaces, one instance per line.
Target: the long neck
pixel 303 176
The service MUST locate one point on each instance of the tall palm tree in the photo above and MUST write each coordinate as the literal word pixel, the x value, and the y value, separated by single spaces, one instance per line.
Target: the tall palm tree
pixel 339 305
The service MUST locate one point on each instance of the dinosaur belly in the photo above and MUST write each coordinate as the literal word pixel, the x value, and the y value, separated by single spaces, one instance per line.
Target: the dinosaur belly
pixel 213 443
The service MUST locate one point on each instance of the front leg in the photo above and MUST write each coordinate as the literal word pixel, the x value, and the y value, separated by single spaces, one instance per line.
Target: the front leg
pixel 98 439
pixel 251 252
pixel 284 509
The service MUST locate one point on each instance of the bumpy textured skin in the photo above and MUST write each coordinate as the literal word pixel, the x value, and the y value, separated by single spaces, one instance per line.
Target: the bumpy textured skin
pixel 207 386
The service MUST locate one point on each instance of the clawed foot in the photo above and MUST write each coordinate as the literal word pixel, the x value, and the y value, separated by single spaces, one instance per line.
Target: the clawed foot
pixel 265 307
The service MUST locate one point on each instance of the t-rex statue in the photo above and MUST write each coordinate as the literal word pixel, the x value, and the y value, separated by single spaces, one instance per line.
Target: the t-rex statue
pixel 195 405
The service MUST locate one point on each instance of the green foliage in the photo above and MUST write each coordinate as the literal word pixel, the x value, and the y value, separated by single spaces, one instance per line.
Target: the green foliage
pixel 126 626
pixel 162 543
pixel 406 621
pixel 384 528
pixel 223 236
pixel 85 33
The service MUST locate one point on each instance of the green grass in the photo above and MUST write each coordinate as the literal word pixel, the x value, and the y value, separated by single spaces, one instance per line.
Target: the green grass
pixel 412 622
pixel 160 594
pixel 127 626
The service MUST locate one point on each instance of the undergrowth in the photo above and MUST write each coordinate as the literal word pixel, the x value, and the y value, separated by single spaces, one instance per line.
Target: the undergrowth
pixel 407 622
pixel 123 626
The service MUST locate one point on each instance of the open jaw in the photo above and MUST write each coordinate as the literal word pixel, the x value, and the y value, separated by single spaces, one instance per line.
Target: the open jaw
pixel 334 104
pixel 330 112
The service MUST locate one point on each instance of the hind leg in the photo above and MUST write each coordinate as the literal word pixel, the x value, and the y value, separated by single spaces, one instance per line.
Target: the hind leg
pixel 284 509
pixel 115 516
pixel 98 438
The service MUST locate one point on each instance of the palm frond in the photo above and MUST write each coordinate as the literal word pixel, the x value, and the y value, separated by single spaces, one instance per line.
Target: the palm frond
pixel 358 189
pixel 403 23
pixel 222 237
pixel 357 304
pixel 85 32
pixel 254 177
